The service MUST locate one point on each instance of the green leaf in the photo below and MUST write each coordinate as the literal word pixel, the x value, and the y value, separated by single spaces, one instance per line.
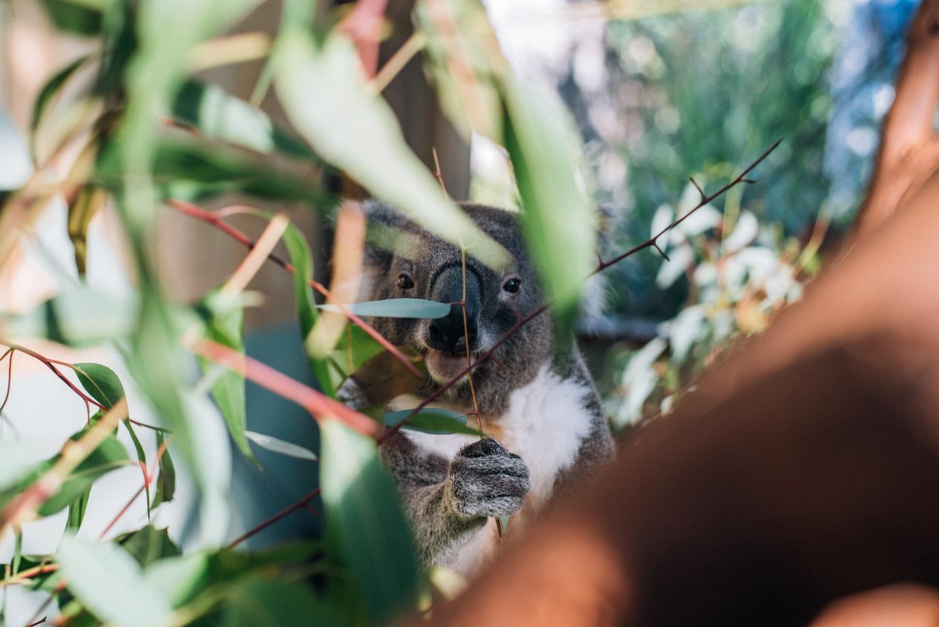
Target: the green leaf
pixel 141 457
pixel 365 521
pixel 107 580
pixel 354 349
pixel 166 482
pixel 396 308
pixel 559 222
pixel 49 90
pixel 149 545
pixel 276 603
pixel 109 456
pixel 431 420
pixel 223 324
pixel 276 445
pixel 219 115
pixel 76 511
pixel 78 18
pixel 100 382
pixel 190 170
pixel 302 260
pixel 323 93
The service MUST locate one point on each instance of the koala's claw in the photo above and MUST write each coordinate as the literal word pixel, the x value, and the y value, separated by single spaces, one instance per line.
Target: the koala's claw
pixel 487 480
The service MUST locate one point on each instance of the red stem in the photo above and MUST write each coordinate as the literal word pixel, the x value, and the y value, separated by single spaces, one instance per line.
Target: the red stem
pixel 316 403
pixel 276 517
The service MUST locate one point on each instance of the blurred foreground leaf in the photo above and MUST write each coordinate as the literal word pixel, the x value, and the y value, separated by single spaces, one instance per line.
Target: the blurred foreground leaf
pixel 223 325
pixel 323 93
pixel 107 580
pixel 365 521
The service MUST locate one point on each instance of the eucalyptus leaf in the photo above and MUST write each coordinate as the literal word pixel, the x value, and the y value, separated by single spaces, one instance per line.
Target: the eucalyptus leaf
pixel 276 445
pixel 223 325
pixel 219 115
pixel 396 308
pixel 269 602
pixel 365 521
pixel 559 223
pixel 431 420
pixel 149 545
pixel 46 95
pixel 323 92
pixel 107 580
pixel 101 383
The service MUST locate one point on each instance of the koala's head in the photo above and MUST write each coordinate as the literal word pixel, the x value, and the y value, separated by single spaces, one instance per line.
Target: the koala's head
pixel 409 262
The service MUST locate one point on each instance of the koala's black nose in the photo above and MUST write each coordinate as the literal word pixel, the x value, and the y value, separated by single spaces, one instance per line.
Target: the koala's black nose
pixel 447 334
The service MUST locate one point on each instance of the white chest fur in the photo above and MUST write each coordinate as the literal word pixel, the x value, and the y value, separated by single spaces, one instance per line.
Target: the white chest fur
pixel 545 425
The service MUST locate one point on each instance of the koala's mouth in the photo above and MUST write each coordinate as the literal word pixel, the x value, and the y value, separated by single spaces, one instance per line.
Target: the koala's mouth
pixel 443 367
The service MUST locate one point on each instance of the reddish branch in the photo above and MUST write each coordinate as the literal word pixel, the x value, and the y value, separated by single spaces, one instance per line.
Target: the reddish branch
pixel 210 218
pixel 316 403
pixel 302 503
pixel 51 365
pixel 601 266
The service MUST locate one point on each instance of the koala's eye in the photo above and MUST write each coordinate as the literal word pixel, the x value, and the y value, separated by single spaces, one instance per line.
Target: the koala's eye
pixel 512 286
pixel 404 282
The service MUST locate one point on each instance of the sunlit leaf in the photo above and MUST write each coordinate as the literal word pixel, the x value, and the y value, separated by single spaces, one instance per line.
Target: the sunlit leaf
pixel 109 583
pixel 396 308
pixel 219 115
pixel 223 325
pixel 276 445
pixel 559 222
pixel 365 521
pixel 323 93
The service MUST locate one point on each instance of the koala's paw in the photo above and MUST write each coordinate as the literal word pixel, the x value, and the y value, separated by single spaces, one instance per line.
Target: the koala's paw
pixel 487 480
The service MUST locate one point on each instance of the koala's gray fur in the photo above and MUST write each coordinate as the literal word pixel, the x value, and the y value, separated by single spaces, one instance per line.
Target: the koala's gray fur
pixel 536 400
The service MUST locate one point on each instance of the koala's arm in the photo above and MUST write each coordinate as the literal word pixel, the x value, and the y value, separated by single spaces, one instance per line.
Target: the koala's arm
pixel 447 501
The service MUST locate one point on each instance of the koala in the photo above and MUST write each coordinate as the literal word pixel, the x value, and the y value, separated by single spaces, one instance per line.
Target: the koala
pixel 542 417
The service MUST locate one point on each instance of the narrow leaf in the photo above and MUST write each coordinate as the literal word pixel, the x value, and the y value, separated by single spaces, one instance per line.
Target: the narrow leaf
pixel 276 445
pixel 223 325
pixel 431 420
pixel 559 223
pixel 48 92
pixel 396 308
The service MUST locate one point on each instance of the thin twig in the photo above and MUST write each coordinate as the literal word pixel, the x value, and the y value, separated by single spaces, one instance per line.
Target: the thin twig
pixel 316 403
pixel 397 62
pixel 302 503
